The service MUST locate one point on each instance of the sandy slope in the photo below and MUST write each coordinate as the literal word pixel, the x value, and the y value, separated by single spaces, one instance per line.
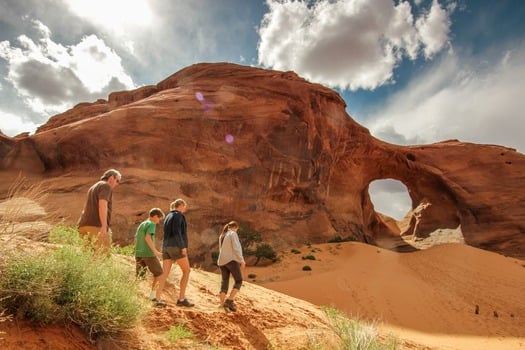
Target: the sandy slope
pixel 428 296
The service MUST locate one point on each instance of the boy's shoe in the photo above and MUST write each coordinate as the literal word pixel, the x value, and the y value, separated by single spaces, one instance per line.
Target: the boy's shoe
pixel 160 303
pixel 229 305
pixel 185 302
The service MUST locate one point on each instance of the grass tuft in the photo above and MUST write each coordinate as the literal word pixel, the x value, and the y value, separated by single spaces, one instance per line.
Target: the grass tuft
pixel 178 332
pixel 356 334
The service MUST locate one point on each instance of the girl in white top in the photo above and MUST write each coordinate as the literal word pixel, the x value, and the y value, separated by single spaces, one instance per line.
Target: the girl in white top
pixel 230 262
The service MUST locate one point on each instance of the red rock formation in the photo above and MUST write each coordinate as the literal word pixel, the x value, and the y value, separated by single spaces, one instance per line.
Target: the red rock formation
pixel 271 150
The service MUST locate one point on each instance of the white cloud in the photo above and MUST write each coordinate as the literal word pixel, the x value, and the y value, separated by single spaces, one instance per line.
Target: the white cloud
pixel 433 29
pixel 459 99
pixel 12 125
pixel 51 77
pixel 349 44
pixel 390 197
pixel 117 15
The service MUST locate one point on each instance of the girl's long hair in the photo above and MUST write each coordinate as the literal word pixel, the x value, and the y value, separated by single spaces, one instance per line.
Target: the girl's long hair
pixel 226 228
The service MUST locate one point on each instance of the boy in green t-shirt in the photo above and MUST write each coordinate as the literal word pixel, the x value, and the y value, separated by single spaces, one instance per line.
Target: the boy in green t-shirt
pixel 146 254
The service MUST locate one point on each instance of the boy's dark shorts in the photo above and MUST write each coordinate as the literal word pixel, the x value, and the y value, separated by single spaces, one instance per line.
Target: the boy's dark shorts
pixel 173 253
pixel 153 264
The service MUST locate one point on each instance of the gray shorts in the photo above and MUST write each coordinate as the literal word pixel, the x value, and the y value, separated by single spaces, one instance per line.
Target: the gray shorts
pixel 152 264
pixel 173 253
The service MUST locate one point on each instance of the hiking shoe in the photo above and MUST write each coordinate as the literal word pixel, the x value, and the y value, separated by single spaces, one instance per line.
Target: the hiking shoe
pixel 229 305
pixel 184 302
pixel 160 303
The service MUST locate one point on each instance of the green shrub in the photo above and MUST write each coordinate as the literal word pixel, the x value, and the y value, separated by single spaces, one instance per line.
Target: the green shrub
pixel 65 235
pixel 214 257
pixel 264 251
pixel 307 268
pixel 178 332
pixel 29 287
pixel 339 239
pixel 252 276
pixel 295 251
pixel 308 257
pixel 127 250
pixel 71 284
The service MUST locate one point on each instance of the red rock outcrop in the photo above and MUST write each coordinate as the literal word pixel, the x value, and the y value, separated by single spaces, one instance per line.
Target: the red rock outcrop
pixel 273 151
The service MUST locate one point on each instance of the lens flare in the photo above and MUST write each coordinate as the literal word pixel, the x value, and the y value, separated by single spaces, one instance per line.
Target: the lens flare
pixel 229 139
pixel 199 97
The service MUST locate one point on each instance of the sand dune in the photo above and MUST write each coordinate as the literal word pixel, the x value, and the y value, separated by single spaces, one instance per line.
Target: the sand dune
pixel 430 296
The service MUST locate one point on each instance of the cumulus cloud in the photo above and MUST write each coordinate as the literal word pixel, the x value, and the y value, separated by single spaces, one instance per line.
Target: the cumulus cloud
pixel 51 77
pixel 459 98
pixel 11 124
pixel 349 44
pixel 390 197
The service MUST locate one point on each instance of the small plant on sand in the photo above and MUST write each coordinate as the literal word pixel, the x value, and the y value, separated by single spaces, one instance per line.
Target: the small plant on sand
pixel 127 250
pixel 307 268
pixel 357 335
pixel 308 257
pixel 68 284
pixel 65 235
pixel 252 276
pixel 295 251
pixel 338 239
pixel 178 332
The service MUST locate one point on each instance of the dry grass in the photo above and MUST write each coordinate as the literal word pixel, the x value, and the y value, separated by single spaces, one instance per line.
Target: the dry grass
pixel 21 213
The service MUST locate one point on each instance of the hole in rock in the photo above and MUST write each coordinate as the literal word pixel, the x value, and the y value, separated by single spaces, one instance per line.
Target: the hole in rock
pixel 390 197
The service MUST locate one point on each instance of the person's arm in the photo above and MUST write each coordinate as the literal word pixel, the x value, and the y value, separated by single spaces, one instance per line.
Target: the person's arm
pixel 103 215
pixel 178 227
pixel 237 249
pixel 151 246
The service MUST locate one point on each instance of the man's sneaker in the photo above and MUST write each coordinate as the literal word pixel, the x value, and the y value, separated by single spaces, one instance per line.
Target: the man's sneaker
pixel 229 305
pixel 160 303
pixel 184 302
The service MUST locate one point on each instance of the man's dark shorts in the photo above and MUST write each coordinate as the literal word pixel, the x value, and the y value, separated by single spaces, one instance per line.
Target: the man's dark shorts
pixel 173 253
pixel 153 264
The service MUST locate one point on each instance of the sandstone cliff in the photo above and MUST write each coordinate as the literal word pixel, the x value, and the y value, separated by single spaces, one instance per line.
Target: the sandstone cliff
pixel 273 151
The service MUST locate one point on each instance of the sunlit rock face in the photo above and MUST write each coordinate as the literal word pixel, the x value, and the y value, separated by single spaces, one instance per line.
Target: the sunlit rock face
pixel 272 151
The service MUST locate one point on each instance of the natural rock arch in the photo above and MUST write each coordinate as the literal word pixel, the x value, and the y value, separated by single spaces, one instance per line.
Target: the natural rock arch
pixel 298 171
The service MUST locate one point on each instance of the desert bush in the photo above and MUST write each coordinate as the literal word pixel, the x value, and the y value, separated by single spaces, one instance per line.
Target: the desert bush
pixel 29 287
pixel 252 276
pixel 248 237
pixel 295 251
pixel 214 257
pixel 307 268
pixel 356 334
pixel 71 284
pixel 338 239
pixel 61 234
pixel 308 257
pixel 264 251
pixel 127 250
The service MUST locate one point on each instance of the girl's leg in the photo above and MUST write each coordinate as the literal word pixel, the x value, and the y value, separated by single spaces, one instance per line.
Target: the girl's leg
pixel 166 268
pixel 235 269
pixel 184 264
pixel 225 281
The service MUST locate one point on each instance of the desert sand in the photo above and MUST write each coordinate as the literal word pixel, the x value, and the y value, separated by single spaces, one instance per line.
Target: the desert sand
pixel 448 296
pixel 429 296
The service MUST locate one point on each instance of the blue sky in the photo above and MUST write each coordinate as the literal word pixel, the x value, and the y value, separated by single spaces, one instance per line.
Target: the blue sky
pixel 412 72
